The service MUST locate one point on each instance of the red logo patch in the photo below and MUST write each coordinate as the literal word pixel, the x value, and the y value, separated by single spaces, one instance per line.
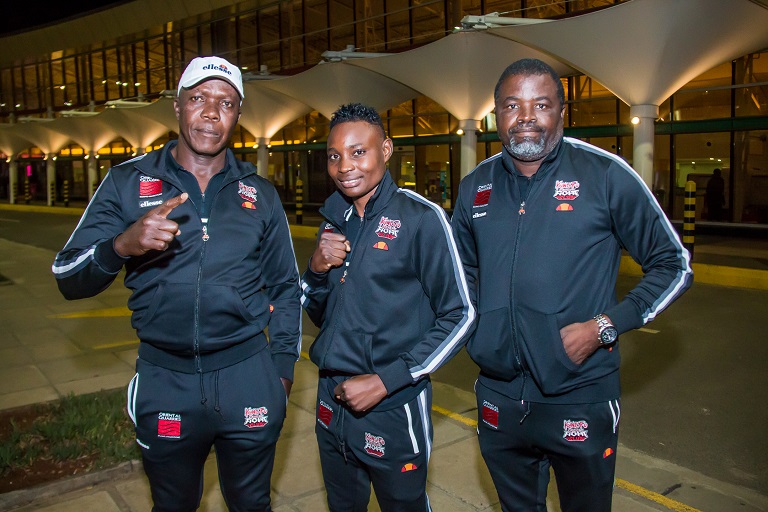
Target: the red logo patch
pixel 483 195
pixel 169 425
pixel 381 245
pixel 324 414
pixel 566 190
pixel 256 417
pixel 247 192
pixel 149 187
pixel 575 430
pixel 374 445
pixel 388 228
pixel 490 414
pixel 408 467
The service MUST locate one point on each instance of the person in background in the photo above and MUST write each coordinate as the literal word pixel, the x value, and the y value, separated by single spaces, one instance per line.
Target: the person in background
pixel 540 228
pixel 209 260
pixel 715 196
pixel 387 289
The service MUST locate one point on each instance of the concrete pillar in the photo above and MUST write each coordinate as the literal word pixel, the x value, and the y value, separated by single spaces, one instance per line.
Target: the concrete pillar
pixel 13 178
pixel 468 145
pixel 92 173
pixel 262 157
pixel 645 115
pixel 50 174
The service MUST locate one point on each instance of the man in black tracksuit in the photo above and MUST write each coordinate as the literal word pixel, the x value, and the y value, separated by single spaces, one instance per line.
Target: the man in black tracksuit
pixel 540 228
pixel 210 264
pixel 386 287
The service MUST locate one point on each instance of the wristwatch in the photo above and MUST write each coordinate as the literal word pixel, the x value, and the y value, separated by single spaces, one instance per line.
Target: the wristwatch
pixel 606 333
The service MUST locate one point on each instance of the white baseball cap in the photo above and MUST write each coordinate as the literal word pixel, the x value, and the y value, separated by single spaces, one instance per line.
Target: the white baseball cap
pixel 204 68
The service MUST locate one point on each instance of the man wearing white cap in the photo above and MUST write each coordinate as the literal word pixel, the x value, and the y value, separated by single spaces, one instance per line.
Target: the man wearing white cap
pixel 209 260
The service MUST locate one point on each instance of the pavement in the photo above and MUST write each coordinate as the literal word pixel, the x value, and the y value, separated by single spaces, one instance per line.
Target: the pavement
pixel 50 347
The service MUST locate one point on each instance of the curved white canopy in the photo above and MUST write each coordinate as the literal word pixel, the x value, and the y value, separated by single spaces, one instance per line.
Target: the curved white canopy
pixel 643 51
pixel 329 85
pixel 47 140
pixel 140 131
pixel 266 111
pixel 458 71
pixel 89 132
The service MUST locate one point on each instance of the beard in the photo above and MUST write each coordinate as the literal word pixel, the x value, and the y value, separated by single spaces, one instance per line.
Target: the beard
pixel 530 150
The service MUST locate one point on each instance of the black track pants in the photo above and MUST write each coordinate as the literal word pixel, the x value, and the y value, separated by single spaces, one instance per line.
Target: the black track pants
pixel 579 442
pixel 238 410
pixel 389 449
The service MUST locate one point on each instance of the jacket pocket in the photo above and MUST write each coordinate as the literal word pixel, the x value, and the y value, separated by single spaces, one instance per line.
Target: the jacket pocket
pixel 545 355
pixel 344 351
pixel 167 320
pixel 491 346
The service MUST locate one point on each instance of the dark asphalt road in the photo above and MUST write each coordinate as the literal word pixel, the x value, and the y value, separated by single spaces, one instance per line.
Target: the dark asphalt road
pixel 692 383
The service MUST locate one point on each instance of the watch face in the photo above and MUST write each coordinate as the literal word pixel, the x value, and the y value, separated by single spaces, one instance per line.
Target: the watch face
pixel 608 335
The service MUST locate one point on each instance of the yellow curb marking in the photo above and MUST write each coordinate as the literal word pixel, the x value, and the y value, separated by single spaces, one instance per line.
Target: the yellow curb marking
pixel 96 313
pixel 455 416
pixel 654 496
pixel 116 344
pixel 649 331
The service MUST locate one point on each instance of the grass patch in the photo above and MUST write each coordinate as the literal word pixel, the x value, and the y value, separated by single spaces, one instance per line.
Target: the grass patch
pixel 76 434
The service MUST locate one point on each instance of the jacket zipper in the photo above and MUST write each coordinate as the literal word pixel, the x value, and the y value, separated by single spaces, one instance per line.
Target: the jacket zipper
pixel 205 236
pixel 343 279
pixel 520 214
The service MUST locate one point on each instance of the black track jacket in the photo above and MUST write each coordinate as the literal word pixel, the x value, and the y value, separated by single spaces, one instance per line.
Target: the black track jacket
pixel 399 306
pixel 204 303
pixel 543 252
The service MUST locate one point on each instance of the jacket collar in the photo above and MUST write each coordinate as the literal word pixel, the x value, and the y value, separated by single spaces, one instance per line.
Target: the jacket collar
pixel 155 164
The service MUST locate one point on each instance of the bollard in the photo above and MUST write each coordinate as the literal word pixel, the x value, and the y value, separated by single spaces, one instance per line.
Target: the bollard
pixel 689 215
pixel 27 197
pixel 299 200
pixel 65 192
pixel 53 194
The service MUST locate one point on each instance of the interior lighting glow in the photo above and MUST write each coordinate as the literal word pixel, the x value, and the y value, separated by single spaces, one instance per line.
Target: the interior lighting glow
pixel 459 132
pixel 62 87
pixel 635 120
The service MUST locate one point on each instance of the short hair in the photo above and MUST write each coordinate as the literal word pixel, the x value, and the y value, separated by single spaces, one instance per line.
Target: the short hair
pixel 357 112
pixel 527 67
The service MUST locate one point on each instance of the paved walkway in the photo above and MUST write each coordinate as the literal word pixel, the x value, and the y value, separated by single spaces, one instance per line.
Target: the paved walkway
pixel 50 347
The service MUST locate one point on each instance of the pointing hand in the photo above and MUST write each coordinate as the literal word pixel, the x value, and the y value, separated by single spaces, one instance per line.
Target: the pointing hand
pixel 152 232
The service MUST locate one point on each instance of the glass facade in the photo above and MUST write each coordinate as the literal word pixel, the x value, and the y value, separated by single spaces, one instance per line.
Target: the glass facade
pixel 716 121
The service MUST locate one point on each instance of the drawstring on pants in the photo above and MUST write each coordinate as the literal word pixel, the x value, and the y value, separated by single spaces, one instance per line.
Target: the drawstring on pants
pixel 216 393
pixel 203 399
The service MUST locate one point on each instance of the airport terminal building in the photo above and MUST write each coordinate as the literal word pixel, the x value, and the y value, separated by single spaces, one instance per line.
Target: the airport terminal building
pixel 676 88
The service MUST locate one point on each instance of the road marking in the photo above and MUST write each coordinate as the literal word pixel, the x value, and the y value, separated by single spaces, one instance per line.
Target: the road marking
pixel 655 497
pixel 623 484
pixel 115 344
pixel 9 220
pixel 95 313
pixel 455 416
pixel 649 331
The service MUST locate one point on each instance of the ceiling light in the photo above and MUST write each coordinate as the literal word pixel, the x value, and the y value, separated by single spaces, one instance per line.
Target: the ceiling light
pixel 635 120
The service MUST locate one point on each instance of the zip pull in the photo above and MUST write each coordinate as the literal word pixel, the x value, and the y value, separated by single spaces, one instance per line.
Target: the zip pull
pixel 205 230
pixel 346 263
pixel 521 211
